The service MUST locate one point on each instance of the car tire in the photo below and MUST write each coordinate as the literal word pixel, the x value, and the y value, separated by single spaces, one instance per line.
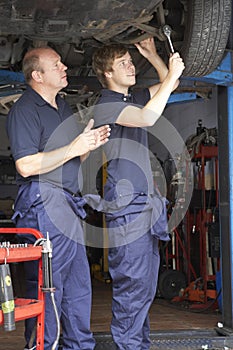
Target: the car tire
pixel 206 33
pixel 170 283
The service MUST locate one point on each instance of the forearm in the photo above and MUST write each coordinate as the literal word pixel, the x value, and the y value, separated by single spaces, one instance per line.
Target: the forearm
pixel 161 68
pixel 43 162
pixel 133 116
pixel 162 71
pixel 158 102
pixel 147 49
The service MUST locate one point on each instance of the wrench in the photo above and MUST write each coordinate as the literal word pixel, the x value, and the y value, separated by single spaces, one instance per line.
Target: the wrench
pixel 167 31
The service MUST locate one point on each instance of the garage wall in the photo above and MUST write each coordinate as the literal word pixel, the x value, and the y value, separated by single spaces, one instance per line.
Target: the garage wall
pixel 184 117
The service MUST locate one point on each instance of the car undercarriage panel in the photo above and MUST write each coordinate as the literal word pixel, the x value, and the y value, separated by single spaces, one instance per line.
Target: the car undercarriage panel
pixel 59 20
pixel 200 30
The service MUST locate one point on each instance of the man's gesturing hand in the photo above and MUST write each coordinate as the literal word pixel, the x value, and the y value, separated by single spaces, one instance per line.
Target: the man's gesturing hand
pixel 96 137
pixel 89 140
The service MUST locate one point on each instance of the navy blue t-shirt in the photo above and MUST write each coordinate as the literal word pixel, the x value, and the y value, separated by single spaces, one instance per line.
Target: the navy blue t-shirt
pixel 33 126
pixel 129 168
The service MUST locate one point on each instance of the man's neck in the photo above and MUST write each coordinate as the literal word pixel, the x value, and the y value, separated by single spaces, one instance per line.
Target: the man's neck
pixel 47 95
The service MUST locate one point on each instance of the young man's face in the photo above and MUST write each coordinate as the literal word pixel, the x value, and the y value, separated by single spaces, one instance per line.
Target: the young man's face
pixel 123 72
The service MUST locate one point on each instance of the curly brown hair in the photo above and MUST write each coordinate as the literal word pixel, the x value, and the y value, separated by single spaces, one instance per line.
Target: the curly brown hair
pixel 103 58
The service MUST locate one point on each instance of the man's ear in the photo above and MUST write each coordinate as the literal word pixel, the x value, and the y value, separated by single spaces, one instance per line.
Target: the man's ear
pixel 36 75
pixel 108 74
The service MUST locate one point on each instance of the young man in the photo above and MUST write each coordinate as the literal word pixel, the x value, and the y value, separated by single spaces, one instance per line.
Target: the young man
pixel 133 212
pixel 47 147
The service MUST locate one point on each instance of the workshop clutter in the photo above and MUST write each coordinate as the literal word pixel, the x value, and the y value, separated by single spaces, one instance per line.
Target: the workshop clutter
pixel 194 249
pixel 14 309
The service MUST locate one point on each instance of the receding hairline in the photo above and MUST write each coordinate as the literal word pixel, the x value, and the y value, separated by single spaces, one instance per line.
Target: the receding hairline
pixel 38 51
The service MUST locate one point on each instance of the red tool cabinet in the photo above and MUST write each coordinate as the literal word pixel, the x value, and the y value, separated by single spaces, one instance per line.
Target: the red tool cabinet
pixel 27 308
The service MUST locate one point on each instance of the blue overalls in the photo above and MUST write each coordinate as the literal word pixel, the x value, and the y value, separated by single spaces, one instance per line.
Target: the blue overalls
pixel 136 220
pixel 35 126
pixel 46 208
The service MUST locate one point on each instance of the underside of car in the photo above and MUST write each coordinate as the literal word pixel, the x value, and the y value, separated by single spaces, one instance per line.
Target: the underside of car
pixel 199 31
pixel 200 28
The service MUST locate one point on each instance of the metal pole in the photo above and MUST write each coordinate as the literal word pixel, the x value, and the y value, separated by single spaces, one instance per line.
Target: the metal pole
pixel 225 127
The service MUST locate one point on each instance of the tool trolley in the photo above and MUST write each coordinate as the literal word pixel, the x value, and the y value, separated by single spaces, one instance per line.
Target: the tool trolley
pixel 26 308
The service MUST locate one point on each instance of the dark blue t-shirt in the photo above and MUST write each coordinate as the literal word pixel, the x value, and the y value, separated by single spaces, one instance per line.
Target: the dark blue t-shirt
pixel 129 168
pixel 33 126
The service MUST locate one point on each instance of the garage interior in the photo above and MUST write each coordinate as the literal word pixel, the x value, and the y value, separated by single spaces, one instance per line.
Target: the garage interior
pixel 193 308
